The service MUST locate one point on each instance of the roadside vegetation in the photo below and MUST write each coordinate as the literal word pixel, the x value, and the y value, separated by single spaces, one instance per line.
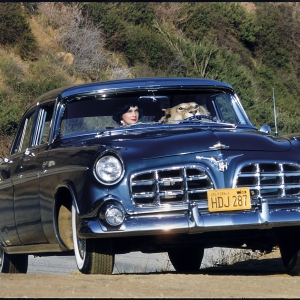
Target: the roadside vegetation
pixel 254 46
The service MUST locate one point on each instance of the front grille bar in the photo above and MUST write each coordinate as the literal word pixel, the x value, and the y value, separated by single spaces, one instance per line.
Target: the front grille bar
pixel 270 179
pixel 190 183
pixel 174 185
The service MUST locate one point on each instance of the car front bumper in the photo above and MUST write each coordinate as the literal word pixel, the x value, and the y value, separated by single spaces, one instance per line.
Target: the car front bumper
pixel 191 221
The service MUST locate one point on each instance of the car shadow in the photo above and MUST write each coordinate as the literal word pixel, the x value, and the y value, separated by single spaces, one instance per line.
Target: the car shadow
pixel 251 267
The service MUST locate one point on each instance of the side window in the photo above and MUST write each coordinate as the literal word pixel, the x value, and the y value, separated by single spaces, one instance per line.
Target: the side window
pixel 24 133
pixel 226 111
pixel 42 129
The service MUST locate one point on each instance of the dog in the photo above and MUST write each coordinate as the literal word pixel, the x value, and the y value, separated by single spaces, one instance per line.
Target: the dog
pixel 183 111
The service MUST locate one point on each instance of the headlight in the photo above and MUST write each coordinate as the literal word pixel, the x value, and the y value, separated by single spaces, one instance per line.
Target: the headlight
pixel 109 169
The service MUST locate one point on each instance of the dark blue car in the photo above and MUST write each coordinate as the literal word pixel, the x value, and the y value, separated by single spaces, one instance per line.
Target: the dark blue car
pixel 154 165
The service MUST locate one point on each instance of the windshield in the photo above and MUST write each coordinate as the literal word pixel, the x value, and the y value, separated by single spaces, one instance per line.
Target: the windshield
pixel 105 112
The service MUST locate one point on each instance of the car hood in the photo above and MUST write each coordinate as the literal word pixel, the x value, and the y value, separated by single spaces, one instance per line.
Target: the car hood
pixel 188 140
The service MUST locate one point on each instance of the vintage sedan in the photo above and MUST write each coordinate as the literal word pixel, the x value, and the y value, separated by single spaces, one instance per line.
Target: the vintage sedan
pixel 154 165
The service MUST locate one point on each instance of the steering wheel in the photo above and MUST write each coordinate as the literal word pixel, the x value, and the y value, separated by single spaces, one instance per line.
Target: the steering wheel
pixel 199 117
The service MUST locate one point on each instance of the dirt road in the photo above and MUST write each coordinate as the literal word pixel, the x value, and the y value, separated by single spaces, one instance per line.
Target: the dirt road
pixel 261 278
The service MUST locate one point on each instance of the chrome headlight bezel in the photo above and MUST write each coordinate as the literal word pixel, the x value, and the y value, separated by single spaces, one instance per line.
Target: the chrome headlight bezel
pixel 116 162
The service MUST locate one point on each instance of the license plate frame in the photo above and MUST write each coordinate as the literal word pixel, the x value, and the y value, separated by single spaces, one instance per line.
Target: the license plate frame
pixel 229 199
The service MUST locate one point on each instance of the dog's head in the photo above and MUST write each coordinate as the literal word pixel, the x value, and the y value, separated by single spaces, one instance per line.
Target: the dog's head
pixel 183 111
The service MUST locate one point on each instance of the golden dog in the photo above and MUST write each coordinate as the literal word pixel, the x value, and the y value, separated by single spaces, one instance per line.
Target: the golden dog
pixel 183 111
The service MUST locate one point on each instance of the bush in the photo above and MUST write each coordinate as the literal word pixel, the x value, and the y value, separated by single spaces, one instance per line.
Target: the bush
pixel 77 36
pixel 21 89
pixel 134 13
pixel 15 30
pixel 45 75
pixel 273 45
pixel 142 46
pixel 113 18
pixel 208 20
pixel 10 112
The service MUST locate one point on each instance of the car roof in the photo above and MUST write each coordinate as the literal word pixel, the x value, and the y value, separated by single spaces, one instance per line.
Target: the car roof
pixel 130 84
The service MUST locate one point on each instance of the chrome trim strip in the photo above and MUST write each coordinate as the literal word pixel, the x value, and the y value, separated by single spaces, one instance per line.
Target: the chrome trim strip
pixel 30 249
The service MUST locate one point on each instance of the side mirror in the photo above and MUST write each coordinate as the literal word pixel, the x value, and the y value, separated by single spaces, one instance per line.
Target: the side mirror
pixel 265 128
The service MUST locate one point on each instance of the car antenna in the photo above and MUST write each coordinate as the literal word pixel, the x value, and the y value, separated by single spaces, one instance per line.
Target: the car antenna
pixel 275 117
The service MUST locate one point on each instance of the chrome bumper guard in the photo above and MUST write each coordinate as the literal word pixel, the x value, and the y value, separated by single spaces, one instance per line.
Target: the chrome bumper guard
pixel 192 222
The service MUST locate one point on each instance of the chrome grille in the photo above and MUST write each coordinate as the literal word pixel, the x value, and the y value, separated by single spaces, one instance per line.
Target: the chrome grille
pixel 270 179
pixel 175 185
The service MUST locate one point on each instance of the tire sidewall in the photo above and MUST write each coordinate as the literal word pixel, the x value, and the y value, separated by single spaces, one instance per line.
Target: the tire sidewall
pixel 80 261
pixel 2 261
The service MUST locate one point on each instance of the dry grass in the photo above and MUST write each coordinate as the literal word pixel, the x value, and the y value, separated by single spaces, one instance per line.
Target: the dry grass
pixel 228 256
pixel 5 143
pixel 44 39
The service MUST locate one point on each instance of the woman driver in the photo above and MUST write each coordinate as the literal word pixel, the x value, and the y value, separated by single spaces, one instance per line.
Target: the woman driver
pixel 127 114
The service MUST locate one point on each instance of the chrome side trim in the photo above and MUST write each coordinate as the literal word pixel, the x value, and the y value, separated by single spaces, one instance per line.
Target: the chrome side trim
pixel 30 249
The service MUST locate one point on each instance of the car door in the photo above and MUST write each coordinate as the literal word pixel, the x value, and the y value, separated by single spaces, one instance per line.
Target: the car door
pixel 33 152
pixel 9 235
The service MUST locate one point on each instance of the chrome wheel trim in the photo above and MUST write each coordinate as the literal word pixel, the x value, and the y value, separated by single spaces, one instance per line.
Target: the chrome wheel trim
pixel 81 247
pixel 79 244
pixel 1 260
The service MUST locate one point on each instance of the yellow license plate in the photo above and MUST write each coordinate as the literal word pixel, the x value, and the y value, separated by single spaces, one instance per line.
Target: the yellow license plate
pixel 228 199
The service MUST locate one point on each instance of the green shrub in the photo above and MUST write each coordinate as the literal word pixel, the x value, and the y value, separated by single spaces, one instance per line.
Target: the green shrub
pixel 10 112
pixel 45 76
pixel 135 13
pixel 273 46
pixel 113 17
pixel 142 46
pixel 208 20
pixel 15 30
pixel 22 89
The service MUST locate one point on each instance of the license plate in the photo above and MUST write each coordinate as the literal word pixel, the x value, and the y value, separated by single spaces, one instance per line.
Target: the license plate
pixel 228 199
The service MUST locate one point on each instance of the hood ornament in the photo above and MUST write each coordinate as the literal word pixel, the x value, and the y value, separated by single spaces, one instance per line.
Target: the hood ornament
pixel 219 161
pixel 218 146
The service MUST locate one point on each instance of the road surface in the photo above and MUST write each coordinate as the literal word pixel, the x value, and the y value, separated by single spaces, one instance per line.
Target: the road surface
pixel 138 275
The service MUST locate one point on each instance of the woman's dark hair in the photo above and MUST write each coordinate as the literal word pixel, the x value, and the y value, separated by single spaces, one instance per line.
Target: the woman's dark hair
pixel 121 110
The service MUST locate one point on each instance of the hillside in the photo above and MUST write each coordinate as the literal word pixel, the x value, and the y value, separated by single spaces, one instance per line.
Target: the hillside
pixel 253 46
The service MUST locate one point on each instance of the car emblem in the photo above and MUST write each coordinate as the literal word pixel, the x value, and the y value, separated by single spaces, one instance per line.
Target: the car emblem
pixel 218 146
pixel 219 161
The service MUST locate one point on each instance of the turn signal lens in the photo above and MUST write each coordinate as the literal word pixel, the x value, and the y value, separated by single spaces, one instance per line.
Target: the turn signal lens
pixel 114 215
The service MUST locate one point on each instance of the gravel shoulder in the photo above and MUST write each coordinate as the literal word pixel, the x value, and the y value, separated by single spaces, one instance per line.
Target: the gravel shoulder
pixel 264 277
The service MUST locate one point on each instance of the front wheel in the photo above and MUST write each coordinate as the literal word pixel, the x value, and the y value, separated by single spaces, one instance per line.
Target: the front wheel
pixel 289 246
pixel 93 256
pixel 186 259
pixel 13 263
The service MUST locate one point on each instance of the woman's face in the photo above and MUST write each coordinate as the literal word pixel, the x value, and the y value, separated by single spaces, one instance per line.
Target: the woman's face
pixel 131 116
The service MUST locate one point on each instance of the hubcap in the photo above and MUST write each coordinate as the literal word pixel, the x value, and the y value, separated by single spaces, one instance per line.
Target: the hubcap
pixel 81 247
